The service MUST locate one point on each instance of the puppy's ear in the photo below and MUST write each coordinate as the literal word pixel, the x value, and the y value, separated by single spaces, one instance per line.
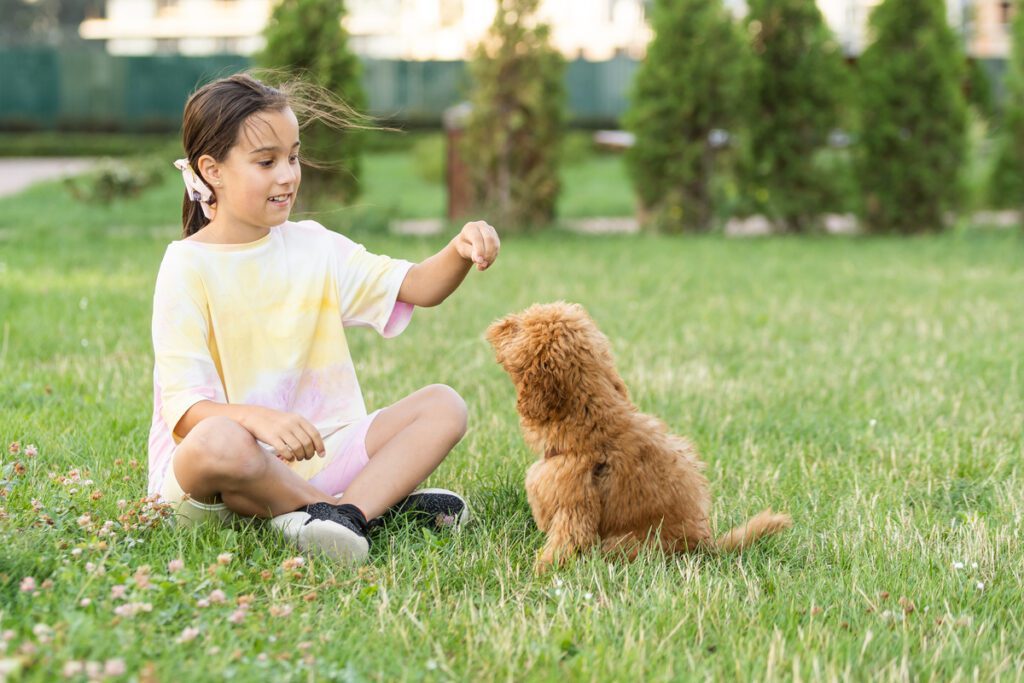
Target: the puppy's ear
pixel 543 395
pixel 500 332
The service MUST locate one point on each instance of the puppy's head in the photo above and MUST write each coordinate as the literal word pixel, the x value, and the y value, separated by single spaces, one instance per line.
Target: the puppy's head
pixel 556 358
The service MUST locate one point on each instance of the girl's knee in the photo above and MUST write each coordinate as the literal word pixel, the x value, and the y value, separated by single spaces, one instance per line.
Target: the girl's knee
pixel 221 447
pixel 447 402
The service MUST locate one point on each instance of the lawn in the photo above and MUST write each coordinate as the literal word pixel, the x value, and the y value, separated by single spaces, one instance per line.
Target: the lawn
pixel 596 186
pixel 871 387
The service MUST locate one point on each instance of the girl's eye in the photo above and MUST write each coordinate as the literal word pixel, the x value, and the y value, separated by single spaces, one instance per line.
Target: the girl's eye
pixel 293 158
pixel 266 163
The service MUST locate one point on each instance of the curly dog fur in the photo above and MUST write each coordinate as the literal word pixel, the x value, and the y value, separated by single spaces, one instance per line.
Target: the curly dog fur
pixel 608 474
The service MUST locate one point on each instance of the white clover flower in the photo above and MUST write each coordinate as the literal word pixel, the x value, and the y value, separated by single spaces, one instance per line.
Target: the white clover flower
pixel 188 634
pixel 73 668
pixel 114 667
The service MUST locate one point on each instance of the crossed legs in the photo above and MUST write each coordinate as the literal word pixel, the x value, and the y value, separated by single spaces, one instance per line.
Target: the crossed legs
pixel 405 443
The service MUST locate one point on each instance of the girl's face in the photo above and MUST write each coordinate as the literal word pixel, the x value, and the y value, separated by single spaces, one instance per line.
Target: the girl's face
pixel 256 183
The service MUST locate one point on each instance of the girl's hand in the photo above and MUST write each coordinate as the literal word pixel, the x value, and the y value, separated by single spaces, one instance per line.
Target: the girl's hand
pixel 478 242
pixel 292 436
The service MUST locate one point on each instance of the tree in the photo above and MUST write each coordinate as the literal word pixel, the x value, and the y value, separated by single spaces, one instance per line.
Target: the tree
pixel 799 89
pixel 512 139
pixel 913 118
pixel 685 94
pixel 1007 182
pixel 978 89
pixel 306 38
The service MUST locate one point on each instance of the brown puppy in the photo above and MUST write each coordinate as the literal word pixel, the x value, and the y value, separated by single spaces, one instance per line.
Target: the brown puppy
pixel 609 474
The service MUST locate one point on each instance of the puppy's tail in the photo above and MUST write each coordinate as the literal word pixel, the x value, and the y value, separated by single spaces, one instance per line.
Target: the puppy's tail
pixel 764 523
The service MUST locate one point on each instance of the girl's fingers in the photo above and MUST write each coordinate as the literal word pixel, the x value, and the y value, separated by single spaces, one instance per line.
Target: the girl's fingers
pixel 305 449
pixel 285 451
pixel 314 438
pixel 476 241
pixel 292 446
pixel 485 246
pixel 491 244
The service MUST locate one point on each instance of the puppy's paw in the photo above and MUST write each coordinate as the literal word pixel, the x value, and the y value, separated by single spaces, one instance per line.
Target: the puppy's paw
pixel 554 556
pixel 548 558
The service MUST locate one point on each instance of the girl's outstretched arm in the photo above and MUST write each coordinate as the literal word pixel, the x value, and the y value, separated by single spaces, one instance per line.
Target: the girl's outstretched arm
pixel 430 282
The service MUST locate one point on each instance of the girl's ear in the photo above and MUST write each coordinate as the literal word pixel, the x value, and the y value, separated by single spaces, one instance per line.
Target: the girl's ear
pixel 209 169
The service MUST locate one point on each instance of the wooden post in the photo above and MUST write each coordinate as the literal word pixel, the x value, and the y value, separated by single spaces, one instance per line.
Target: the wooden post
pixel 456 173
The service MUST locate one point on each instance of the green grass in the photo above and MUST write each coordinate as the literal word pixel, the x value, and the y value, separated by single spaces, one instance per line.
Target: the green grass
pixel 393 183
pixel 871 387
pixel 402 173
pixel 77 144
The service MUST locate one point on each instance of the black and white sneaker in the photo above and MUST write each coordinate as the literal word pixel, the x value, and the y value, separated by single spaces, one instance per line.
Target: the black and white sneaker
pixel 338 531
pixel 439 508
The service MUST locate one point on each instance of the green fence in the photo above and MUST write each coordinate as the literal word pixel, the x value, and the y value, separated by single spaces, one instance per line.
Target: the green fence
pixel 45 89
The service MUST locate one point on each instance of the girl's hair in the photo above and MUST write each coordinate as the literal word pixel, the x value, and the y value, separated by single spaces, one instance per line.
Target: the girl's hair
pixel 216 112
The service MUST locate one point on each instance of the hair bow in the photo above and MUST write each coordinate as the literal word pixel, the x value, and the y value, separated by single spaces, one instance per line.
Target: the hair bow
pixel 198 191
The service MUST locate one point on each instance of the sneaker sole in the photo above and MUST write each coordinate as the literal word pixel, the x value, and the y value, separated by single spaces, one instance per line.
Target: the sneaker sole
pixel 329 538
pixel 334 540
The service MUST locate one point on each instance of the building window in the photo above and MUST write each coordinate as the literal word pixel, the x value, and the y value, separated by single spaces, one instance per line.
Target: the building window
pixel 228 46
pixel 167 46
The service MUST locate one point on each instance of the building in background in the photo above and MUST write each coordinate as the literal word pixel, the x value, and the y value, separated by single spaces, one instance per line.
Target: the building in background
pixel 384 29
pixel 593 30
pixel 983 24
pixel 190 27
pixel 990 28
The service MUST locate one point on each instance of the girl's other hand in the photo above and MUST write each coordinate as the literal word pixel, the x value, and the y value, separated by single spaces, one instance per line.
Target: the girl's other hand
pixel 292 436
pixel 478 242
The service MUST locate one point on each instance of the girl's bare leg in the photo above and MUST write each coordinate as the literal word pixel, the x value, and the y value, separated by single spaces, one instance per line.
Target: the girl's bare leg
pixel 220 457
pixel 406 442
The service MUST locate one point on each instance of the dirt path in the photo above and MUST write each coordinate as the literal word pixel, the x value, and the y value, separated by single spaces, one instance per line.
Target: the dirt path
pixel 17 173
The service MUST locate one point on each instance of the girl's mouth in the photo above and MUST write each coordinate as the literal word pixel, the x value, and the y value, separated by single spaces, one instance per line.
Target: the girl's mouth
pixel 281 200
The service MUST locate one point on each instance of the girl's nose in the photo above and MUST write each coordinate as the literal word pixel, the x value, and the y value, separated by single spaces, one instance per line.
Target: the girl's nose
pixel 288 175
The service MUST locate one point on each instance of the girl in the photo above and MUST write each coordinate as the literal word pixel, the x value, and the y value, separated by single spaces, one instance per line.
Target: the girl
pixel 257 410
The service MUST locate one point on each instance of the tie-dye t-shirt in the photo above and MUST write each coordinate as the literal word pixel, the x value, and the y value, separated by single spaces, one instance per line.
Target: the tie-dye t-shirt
pixel 263 324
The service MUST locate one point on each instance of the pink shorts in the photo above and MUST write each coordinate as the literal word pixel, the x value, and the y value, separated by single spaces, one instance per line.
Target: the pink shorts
pixel 349 457
pixel 346 449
